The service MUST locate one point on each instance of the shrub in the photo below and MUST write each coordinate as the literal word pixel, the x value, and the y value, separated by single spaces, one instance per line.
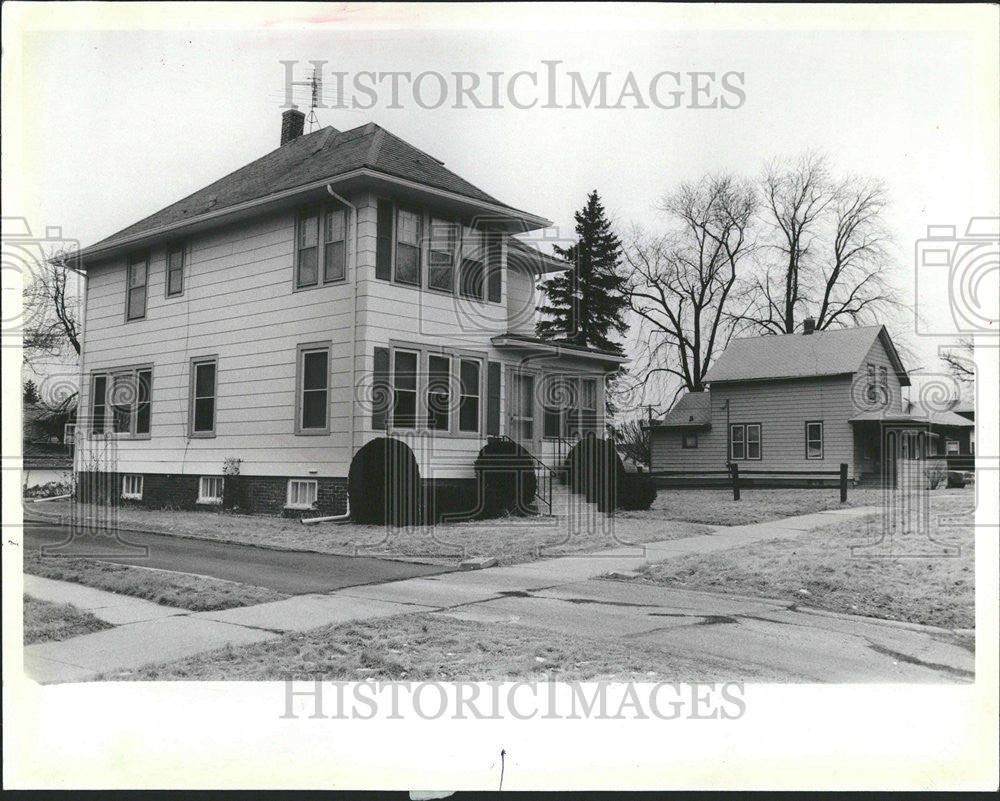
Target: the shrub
pixel 50 489
pixel 595 471
pixel 956 479
pixel 383 484
pixel 502 468
pixel 636 492
pixel 455 501
pixel 935 475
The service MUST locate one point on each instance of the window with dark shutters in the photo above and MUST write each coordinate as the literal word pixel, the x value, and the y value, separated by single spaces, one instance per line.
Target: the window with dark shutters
pixel 493 399
pixel 381 390
pixel 383 240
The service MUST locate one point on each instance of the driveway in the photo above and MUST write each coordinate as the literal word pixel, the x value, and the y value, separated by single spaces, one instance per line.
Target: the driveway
pixel 289 572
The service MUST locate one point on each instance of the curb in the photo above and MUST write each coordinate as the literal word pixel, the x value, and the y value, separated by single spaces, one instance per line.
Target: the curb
pixel 59 520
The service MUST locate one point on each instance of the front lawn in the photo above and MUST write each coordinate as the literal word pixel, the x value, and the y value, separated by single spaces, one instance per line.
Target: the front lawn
pixel 756 505
pixel 435 647
pixel 48 622
pixel 197 593
pixel 511 540
pixel 881 580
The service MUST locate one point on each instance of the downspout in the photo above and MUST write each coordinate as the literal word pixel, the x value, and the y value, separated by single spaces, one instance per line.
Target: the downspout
pixel 80 411
pixel 354 329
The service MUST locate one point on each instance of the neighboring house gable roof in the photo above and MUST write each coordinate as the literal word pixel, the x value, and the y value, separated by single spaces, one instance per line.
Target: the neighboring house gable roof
pixel 320 155
pixel 822 353
pixel 692 410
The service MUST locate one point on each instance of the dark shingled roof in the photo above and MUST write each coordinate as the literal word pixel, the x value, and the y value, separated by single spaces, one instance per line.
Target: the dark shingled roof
pixel 692 410
pixel 320 155
pixel 828 352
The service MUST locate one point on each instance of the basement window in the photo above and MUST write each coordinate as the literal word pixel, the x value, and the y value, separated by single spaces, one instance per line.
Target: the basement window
pixel 301 493
pixel 132 487
pixel 210 489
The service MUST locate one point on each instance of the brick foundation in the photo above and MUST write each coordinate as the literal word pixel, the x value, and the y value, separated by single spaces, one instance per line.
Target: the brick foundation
pixel 254 494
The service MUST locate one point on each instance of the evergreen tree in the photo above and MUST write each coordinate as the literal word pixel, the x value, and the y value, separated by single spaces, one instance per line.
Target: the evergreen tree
pixel 31 392
pixel 585 304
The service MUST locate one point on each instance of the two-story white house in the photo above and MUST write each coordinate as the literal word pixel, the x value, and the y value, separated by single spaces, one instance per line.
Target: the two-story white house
pixel 261 317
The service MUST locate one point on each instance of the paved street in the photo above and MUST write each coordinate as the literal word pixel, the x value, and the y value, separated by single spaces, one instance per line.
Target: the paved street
pixel 290 572
pixel 751 638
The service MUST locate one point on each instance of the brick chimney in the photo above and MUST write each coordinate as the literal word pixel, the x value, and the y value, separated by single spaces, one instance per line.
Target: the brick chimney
pixel 808 325
pixel 292 124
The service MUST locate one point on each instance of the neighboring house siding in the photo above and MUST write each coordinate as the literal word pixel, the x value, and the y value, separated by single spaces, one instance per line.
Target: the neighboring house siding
pixel 237 304
pixel 782 408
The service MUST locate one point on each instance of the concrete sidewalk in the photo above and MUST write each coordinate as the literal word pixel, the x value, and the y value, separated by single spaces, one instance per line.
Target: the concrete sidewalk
pixel 543 594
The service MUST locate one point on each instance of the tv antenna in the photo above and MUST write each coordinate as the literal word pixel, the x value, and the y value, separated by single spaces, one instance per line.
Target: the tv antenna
pixel 316 95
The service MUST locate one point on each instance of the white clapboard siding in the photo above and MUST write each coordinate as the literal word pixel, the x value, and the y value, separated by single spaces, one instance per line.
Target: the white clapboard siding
pixel 239 305
pixel 781 407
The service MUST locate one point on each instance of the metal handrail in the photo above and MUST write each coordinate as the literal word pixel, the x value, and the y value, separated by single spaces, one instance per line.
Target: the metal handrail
pixel 546 477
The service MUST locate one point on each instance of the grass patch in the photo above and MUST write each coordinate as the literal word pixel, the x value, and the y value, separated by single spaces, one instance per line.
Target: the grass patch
pixel 932 590
pixel 511 541
pixel 48 622
pixel 196 593
pixel 717 507
pixel 434 647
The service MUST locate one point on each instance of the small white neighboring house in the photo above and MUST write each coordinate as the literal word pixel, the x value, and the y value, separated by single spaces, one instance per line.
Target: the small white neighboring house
pixel 344 287
pixel 804 402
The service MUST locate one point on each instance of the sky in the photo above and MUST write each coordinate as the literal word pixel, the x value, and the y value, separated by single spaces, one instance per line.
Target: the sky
pixel 123 113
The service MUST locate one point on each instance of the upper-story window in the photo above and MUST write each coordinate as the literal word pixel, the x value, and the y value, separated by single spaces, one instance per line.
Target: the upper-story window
pixel 412 243
pixel 135 291
pixel 443 241
pixel 883 383
pixel 871 393
pixel 408 246
pixel 471 279
pixel 175 270
pixel 320 247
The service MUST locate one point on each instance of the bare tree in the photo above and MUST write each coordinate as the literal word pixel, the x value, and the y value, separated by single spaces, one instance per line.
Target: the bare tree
pixel 960 363
pixel 683 279
pixel 632 439
pixel 50 314
pixel 826 253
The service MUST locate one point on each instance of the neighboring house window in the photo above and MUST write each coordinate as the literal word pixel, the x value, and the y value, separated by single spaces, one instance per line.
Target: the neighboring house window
pixel 744 441
pixel 404 386
pixel 138 275
pixel 753 440
pixel 302 493
pixel 210 489
pixel 132 487
pixel 313 389
pixel 523 406
pixel 951 447
pixel 444 238
pixel 408 247
pixel 175 270
pixel 883 383
pixel 468 409
pixel 689 441
pixel 438 392
pixel 204 373
pixel 871 392
pixel 737 445
pixel 126 394
pixel 69 433
pixel 313 261
pixel 814 440
pixel 471 281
